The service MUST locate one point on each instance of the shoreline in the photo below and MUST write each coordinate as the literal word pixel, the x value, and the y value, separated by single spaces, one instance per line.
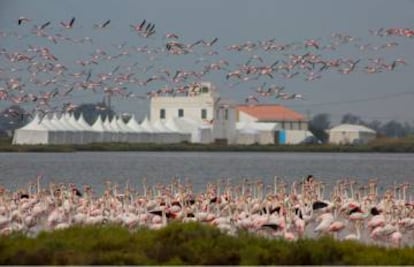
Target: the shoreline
pixel 204 148
pixel 383 145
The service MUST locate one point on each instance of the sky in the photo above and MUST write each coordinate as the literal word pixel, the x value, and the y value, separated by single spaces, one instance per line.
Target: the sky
pixel 383 96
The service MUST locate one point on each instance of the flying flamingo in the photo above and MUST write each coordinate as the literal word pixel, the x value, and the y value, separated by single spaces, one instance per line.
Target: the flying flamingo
pixel 102 25
pixel 22 20
pixel 68 25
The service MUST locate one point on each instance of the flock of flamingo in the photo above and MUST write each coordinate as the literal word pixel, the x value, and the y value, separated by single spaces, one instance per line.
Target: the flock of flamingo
pixel 299 210
pixel 39 70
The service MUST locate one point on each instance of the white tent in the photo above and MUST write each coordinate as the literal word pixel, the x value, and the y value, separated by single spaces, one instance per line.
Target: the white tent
pixel 246 134
pixel 67 118
pixel 137 134
pixel 167 133
pixel 99 129
pixel 81 120
pixel 90 136
pixel 351 134
pixel 110 134
pixel 203 134
pixel 148 131
pixel 266 132
pixel 200 133
pixel 186 125
pixel 175 128
pixel 161 133
pixel 31 133
pixel 60 133
pixel 77 133
pixel 262 132
pixel 146 126
pixel 123 129
pixel 172 126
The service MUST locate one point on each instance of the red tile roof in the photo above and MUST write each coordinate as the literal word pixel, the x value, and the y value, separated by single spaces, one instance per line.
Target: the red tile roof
pixel 271 113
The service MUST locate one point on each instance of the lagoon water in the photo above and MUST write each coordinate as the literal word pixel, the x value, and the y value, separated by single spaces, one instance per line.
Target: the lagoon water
pixel 94 168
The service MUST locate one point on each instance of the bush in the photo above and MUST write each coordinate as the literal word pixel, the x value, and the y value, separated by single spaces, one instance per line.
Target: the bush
pixel 186 244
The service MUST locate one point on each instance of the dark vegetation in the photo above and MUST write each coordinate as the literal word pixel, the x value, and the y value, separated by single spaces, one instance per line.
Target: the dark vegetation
pixel 392 129
pixel 186 244
pixel 392 145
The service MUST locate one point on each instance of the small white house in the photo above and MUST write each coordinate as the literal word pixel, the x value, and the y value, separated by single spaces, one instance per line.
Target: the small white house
pixel 351 134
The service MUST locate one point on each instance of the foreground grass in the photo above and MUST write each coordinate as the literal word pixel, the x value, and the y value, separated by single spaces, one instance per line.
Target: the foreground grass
pixel 186 244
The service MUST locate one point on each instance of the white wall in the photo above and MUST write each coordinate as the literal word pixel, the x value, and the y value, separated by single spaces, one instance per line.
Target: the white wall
pixel 294 125
pixel 266 137
pixel 286 125
pixel 247 138
pixel 225 128
pixel 244 117
pixel 351 137
pixel 297 136
pixel 191 105
pixel 30 137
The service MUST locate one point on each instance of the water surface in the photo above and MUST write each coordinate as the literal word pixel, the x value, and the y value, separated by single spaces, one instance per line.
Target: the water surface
pixel 93 168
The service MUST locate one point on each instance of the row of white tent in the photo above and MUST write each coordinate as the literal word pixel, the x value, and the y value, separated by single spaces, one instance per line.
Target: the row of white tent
pixel 66 129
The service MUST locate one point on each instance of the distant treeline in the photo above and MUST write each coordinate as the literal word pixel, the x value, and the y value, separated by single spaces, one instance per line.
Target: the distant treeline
pixel 393 129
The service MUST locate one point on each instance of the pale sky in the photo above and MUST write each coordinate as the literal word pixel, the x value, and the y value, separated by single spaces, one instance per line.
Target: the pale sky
pixel 384 96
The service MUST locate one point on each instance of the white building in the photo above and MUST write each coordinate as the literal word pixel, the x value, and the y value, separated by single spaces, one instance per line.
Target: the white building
pixel 198 105
pixel 351 134
pixel 203 108
pixel 224 122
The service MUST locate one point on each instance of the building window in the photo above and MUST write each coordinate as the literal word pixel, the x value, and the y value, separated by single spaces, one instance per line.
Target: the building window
pixel 217 114
pixel 181 113
pixel 204 114
pixel 283 125
pixel 291 125
pixel 226 114
pixel 162 113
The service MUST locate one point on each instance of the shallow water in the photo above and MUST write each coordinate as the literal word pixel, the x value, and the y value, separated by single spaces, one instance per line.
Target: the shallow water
pixel 94 168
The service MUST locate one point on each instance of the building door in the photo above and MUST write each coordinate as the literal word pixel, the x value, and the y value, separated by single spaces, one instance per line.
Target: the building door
pixel 282 137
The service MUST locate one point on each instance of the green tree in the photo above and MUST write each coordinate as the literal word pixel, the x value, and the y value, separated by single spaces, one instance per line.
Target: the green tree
pixel 375 125
pixel 393 129
pixel 91 111
pixel 318 126
pixel 12 118
pixel 351 119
